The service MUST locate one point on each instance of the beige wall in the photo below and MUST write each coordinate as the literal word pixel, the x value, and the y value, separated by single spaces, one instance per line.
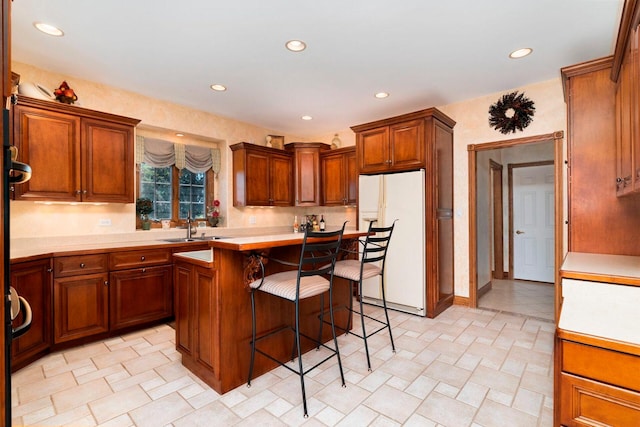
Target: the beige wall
pixel 473 128
pixel 29 219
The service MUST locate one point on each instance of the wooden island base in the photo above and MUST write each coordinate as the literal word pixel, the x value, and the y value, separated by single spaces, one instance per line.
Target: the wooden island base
pixel 213 308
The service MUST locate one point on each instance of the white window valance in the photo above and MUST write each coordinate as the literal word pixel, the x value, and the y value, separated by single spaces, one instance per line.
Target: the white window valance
pixel 160 153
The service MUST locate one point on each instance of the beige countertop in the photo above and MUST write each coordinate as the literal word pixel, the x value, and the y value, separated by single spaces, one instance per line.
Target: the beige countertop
pixel 233 239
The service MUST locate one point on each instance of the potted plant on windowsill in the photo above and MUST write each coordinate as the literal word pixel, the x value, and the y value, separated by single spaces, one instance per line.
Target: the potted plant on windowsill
pixel 213 213
pixel 144 207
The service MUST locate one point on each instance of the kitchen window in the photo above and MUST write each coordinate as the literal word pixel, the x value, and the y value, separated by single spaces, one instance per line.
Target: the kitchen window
pixel 177 178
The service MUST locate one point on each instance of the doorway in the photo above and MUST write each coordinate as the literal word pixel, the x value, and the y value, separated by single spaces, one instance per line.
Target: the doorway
pixel 485 256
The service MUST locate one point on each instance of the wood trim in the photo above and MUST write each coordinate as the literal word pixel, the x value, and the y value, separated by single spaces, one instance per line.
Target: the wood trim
pixel 5 377
pixel 484 289
pixel 461 301
pixel 596 277
pixel 473 238
pixel 621 346
pixel 511 230
pixel 629 20
pixel 498 220
pixel 583 68
pixel 557 138
pixel 422 114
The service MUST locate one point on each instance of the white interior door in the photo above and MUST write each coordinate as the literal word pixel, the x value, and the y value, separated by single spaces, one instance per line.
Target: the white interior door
pixel 533 221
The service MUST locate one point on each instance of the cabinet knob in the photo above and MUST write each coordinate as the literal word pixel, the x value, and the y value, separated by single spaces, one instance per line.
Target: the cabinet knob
pixel 144 270
pixel 49 270
pixel 12 188
pixel 82 265
pixel 142 258
pixel 106 283
pixel 84 191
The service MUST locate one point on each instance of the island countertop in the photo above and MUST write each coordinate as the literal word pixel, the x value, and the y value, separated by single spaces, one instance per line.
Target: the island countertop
pixel 251 243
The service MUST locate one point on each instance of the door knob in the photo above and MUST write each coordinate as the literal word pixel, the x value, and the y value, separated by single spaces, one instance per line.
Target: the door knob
pixel 519 232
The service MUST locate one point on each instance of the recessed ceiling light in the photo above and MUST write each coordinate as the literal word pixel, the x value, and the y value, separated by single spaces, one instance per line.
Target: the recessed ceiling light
pixel 296 45
pixel 381 95
pixel 49 29
pixel 306 117
pixel 180 134
pixel 520 53
pixel 219 88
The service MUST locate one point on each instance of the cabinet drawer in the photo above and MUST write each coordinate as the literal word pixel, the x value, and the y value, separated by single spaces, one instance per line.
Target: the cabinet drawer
pixel 608 366
pixel 590 403
pixel 142 258
pixel 80 264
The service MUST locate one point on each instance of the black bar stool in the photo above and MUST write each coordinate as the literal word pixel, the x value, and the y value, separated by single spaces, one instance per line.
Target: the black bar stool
pixel 317 260
pixel 371 264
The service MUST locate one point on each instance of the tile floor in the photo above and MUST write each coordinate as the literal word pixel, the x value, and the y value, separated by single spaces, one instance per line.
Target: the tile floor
pixel 533 299
pixel 467 367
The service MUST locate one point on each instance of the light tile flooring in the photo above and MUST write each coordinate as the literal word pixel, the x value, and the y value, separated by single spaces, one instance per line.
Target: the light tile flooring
pixel 533 299
pixel 467 367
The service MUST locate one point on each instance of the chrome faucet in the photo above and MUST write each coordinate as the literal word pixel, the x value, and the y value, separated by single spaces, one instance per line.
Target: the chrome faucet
pixel 189 225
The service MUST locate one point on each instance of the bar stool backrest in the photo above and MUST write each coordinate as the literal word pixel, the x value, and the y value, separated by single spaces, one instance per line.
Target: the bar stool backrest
pixel 376 244
pixel 319 252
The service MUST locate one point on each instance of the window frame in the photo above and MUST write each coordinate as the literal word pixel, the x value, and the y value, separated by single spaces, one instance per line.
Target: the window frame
pixel 175 192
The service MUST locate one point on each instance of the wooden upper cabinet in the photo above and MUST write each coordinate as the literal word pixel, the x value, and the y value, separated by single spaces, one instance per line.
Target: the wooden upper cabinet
pixel 306 171
pixel 75 154
pixel 339 177
pixel 49 142
pixel 627 180
pixel 406 145
pixel 105 145
pixel 262 176
pixel 395 144
pixel 374 149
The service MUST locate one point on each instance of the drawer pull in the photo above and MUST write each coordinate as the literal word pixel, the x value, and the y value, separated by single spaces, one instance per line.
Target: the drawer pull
pixel 142 258
pixel 144 270
pixel 82 265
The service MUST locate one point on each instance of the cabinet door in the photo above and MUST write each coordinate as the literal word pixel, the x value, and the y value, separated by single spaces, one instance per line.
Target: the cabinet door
pixel 624 114
pixel 307 176
pixel 281 188
pixel 32 280
pixel 406 145
pixel 635 102
pixel 333 175
pixel 352 177
pixel 50 143
pixel 183 295
pixel 373 149
pixel 257 179
pixel 138 296
pixel 81 306
pixel 107 162
pixel 206 318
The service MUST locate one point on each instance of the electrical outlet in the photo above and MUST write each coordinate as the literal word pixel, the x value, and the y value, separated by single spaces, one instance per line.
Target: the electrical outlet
pixel 105 222
pixel 252 219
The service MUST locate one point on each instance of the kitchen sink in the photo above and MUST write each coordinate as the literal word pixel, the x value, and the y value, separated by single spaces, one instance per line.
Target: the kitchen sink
pixel 193 239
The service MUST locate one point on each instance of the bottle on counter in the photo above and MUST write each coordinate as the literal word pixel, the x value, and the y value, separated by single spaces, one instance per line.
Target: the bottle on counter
pixel 322 225
pixel 296 227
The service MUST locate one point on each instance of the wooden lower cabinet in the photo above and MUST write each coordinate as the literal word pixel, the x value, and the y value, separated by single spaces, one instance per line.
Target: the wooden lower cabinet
pixel 32 280
pixel 139 296
pixel 197 320
pixel 597 385
pixel 81 306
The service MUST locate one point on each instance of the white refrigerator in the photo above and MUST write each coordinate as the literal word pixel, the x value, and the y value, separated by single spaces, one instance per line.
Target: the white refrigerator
pixel 385 198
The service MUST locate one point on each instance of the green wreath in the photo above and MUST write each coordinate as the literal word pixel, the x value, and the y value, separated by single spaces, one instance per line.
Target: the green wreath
pixel 512 112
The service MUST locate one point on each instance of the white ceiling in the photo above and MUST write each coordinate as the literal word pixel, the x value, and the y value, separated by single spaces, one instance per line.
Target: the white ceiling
pixel 423 52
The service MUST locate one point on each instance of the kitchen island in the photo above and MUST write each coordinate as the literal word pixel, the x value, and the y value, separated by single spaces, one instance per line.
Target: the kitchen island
pixel 213 308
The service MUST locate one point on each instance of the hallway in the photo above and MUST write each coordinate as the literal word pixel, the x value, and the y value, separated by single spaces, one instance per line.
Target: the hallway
pixel 534 299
